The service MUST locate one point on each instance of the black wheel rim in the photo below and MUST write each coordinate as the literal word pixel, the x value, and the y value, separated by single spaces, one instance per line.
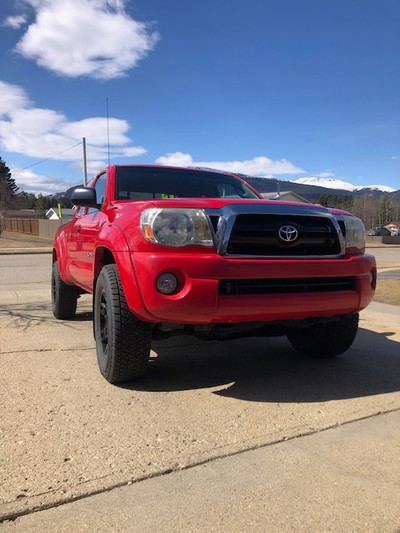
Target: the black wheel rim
pixel 103 323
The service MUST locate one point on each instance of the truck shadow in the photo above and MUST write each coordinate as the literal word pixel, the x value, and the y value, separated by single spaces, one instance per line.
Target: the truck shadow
pixel 269 370
pixel 24 316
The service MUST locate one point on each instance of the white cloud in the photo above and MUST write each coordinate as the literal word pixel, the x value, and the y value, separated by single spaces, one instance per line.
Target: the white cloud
pixel 94 38
pixel 396 157
pixel 14 22
pixel 177 159
pixel 12 97
pixel 30 182
pixel 326 174
pixel 258 166
pixel 43 133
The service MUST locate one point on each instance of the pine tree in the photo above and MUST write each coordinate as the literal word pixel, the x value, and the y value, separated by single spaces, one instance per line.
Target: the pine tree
pixel 385 210
pixel 41 206
pixel 26 200
pixel 8 188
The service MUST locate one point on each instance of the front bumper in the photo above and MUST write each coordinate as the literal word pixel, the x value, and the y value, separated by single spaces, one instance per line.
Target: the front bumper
pixel 198 301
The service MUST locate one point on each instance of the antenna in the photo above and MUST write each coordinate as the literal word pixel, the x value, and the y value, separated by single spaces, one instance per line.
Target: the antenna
pixel 108 132
pixel 84 161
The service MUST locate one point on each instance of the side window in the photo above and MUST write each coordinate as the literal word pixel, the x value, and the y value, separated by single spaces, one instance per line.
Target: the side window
pixel 100 187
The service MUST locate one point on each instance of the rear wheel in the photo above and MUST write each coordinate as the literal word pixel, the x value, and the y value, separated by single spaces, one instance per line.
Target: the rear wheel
pixel 63 297
pixel 325 340
pixel 123 341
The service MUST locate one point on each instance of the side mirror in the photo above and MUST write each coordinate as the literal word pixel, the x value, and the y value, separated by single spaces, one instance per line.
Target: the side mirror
pixel 84 197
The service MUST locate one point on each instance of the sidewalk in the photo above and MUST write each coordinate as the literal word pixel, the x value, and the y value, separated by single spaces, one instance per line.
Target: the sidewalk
pixel 342 479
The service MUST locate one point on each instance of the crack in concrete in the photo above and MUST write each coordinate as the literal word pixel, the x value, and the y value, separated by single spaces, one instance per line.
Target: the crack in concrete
pixel 41 350
pixel 38 508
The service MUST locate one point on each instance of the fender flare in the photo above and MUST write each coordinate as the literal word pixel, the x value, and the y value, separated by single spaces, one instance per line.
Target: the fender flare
pixel 59 254
pixel 113 245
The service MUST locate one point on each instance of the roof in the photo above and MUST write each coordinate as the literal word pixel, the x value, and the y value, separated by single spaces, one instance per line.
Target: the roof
pixel 19 213
pixel 284 195
pixel 394 223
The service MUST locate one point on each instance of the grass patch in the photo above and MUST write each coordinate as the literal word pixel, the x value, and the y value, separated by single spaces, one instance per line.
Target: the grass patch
pixel 388 291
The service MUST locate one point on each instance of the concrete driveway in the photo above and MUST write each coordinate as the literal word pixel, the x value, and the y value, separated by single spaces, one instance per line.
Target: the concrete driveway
pixel 67 434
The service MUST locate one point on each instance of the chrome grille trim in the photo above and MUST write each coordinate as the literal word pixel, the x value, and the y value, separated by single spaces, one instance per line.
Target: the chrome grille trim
pixel 227 217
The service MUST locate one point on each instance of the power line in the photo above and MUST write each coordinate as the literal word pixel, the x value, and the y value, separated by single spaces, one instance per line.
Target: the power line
pixel 48 158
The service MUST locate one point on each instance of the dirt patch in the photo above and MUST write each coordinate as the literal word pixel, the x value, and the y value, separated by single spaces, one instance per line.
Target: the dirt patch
pixel 388 291
pixel 9 240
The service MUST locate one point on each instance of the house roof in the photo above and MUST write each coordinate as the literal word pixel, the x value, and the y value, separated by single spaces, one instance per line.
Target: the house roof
pixel 283 195
pixel 19 213
pixel 394 223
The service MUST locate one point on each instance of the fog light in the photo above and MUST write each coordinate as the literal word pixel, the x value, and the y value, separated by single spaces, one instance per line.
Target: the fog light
pixel 167 283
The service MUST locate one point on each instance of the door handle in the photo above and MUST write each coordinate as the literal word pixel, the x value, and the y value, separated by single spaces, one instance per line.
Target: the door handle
pixel 78 229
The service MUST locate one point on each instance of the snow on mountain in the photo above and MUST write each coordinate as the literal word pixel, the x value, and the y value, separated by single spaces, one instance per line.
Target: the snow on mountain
pixel 383 188
pixel 331 183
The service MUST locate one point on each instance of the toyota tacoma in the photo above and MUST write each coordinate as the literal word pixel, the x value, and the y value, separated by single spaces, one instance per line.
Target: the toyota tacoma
pixel 167 251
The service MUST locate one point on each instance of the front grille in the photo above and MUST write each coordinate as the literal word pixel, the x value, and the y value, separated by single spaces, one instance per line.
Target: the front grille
pixel 257 234
pixel 285 285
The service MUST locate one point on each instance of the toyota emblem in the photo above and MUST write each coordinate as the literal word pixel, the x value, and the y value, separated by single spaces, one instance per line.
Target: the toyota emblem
pixel 288 234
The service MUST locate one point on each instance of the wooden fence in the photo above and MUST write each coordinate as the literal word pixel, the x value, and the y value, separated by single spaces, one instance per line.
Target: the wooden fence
pixel 33 226
pixel 22 225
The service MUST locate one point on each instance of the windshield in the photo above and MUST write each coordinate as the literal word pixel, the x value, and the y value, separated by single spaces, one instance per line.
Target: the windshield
pixel 143 183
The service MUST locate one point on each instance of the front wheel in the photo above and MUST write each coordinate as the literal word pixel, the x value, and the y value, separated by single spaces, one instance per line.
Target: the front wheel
pixel 123 341
pixel 325 340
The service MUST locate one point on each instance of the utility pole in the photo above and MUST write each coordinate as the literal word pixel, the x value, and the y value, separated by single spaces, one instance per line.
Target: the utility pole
pixel 84 161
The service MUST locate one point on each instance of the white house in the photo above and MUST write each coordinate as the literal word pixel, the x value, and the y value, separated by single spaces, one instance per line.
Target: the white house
pixel 67 214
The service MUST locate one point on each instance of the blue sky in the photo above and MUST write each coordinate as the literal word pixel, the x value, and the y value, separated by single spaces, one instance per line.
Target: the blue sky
pixel 274 88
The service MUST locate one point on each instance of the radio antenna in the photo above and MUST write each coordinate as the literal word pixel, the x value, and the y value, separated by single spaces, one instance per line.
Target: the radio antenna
pixel 108 132
pixel 84 161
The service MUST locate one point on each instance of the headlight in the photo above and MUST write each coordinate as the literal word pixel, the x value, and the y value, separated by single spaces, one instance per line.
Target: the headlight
pixel 176 227
pixel 355 235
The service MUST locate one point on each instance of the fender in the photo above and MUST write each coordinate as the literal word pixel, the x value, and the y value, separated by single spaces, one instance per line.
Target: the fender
pixel 113 245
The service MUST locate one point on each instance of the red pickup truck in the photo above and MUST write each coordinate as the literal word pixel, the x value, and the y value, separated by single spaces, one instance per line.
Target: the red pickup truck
pixel 168 251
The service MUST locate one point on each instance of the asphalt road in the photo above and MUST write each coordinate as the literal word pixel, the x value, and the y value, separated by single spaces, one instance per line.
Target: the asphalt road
pixel 65 433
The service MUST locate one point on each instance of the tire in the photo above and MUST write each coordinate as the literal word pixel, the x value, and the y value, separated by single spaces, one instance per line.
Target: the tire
pixel 326 340
pixel 63 297
pixel 123 341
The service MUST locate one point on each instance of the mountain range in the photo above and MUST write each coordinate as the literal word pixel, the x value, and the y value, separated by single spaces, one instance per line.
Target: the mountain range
pixel 312 188
pixel 331 183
